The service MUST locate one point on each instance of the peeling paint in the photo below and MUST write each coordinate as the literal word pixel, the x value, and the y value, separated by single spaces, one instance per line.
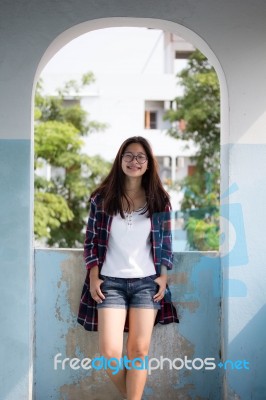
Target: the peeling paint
pixel 190 305
pixel 73 274
pixel 178 278
pixel 183 393
pixel 79 341
pixel 56 313
pixel 231 394
pixel 97 387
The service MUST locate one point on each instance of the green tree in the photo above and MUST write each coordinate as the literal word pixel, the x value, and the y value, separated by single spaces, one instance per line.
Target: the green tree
pixel 61 203
pixel 199 110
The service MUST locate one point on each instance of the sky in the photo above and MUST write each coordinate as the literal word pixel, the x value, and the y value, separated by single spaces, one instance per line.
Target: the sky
pixel 123 50
pixel 108 51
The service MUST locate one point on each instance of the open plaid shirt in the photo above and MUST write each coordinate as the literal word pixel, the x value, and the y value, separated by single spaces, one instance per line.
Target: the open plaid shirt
pixel 95 247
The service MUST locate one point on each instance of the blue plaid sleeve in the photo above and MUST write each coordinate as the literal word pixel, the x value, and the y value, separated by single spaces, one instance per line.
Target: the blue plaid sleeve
pixel 167 250
pixel 91 239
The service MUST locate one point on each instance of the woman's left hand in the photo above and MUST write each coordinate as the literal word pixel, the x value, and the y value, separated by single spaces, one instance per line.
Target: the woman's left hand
pixel 161 281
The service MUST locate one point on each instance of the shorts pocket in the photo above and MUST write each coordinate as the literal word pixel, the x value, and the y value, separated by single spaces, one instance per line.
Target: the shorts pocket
pixel 110 278
pixel 107 279
pixel 152 279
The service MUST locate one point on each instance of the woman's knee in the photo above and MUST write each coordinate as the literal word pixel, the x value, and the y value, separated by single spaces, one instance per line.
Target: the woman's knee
pixel 137 351
pixel 109 351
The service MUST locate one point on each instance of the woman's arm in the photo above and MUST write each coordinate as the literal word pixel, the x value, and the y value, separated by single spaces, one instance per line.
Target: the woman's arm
pixel 91 239
pixel 162 282
pixel 95 285
pixel 167 249
pixel 166 253
pixel 91 254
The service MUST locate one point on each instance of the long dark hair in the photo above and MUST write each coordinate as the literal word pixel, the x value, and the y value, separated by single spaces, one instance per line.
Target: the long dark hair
pixel 112 189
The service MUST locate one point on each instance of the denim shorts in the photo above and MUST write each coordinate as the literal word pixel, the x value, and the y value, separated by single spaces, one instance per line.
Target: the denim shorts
pixel 129 292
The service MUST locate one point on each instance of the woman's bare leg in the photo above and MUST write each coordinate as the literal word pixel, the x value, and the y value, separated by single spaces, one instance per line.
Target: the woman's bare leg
pixel 111 323
pixel 141 322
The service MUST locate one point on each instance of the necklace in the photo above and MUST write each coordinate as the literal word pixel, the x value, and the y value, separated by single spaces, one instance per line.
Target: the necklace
pixel 129 216
pixel 129 219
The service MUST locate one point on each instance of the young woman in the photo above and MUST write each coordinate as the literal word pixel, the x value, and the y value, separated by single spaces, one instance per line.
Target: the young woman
pixel 127 251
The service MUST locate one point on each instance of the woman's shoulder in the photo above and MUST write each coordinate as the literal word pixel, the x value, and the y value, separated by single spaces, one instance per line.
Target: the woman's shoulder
pixel 164 213
pixel 96 199
pixel 168 207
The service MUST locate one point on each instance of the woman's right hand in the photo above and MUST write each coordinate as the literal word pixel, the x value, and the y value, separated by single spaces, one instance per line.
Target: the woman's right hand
pixel 95 285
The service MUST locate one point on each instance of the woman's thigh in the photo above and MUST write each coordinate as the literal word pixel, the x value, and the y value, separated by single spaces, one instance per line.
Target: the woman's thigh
pixel 111 322
pixel 141 323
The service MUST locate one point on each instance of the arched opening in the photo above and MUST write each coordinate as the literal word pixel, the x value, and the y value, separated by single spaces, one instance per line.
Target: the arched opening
pixel 166 26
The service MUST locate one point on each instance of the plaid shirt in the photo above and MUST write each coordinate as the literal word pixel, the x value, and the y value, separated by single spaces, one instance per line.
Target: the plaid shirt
pixel 95 247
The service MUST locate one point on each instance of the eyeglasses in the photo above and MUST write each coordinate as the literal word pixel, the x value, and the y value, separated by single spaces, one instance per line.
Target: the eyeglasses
pixel 128 157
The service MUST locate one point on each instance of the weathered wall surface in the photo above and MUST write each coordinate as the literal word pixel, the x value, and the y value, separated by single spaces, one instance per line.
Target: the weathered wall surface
pixel 195 285
pixel 232 35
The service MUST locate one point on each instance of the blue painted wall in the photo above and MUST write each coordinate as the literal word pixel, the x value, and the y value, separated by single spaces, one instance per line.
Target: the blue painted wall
pixel 15 315
pixel 195 285
pixel 243 266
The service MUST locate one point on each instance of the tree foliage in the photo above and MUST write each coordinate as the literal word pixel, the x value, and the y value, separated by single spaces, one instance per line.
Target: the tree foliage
pixel 199 110
pixel 61 201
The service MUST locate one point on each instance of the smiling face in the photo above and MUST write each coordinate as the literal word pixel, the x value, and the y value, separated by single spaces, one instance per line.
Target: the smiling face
pixel 133 168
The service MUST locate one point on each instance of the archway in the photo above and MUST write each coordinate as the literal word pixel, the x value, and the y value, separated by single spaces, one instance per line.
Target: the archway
pixel 159 24
pixel 167 26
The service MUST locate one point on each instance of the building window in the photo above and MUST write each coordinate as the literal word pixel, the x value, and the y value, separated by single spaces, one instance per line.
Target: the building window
pixel 71 101
pixel 192 170
pixel 151 120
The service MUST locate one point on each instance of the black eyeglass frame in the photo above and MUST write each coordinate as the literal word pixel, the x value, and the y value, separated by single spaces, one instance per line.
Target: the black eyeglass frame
pixel 128 153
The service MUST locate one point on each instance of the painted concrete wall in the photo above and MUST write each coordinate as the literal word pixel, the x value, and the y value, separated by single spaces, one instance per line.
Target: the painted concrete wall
pixel 14 268
pixel 195 284
pixel 244 311
pixel 232 35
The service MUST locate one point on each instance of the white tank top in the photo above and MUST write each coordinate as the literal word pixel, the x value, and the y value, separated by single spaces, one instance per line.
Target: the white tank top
pixel 129 252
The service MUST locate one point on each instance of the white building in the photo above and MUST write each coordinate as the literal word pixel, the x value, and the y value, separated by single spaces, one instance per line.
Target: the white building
pixel 134 104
